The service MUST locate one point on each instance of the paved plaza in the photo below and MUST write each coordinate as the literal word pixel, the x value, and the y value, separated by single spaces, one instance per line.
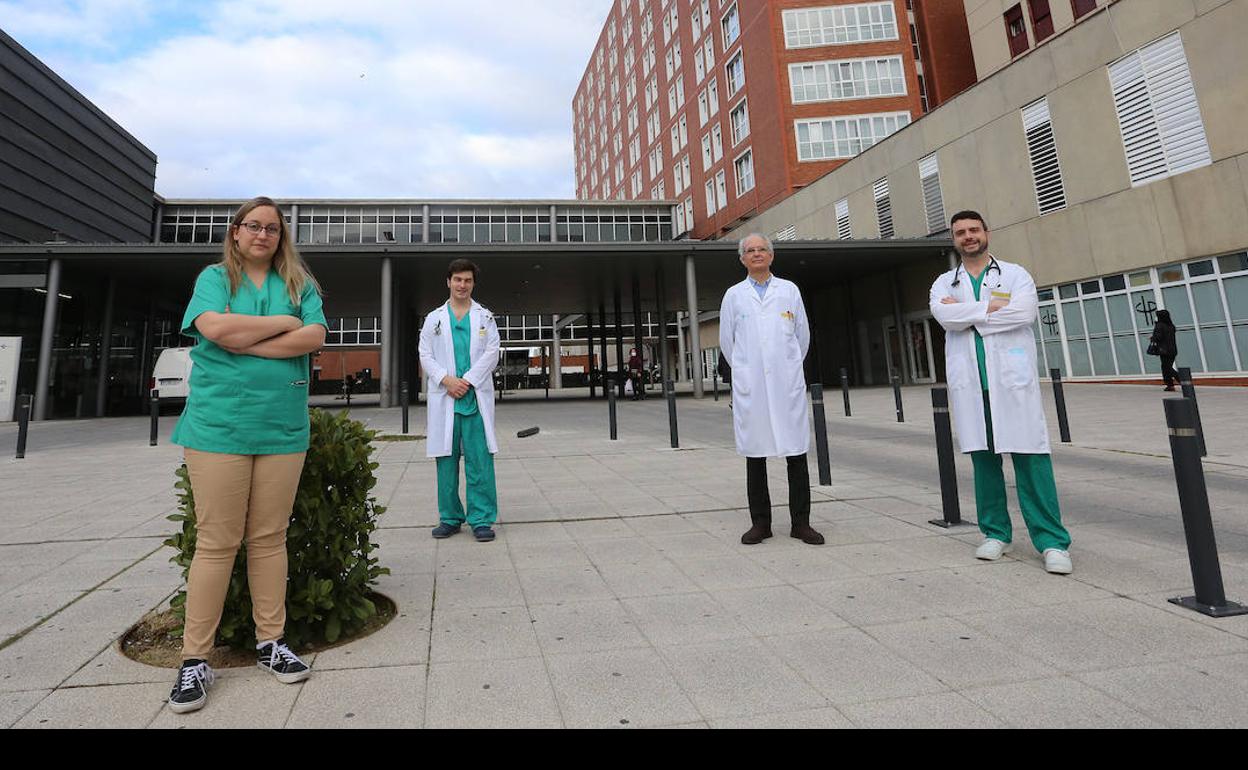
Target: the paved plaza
pixel 618 593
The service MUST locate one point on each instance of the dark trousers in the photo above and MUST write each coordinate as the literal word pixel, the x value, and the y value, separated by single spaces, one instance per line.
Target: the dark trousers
pixel 1168 372
pixel 760 495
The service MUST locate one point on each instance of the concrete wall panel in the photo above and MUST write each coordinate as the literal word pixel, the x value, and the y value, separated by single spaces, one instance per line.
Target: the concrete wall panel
pixel 1126 231
pixel 1212 207
pixel 1060 247
pixel 1006 173
pixel 1089 142
pixel 1140 22
pixel 1218 62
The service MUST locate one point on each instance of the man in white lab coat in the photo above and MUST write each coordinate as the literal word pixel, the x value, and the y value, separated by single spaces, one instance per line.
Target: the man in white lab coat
pixel 458 354
pixel 764 336
pixel 988 308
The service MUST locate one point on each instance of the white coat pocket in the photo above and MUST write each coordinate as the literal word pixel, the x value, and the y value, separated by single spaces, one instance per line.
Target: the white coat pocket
pixel 1016 368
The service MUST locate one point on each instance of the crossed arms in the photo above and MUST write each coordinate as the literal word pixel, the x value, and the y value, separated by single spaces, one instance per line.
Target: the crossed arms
pixel 275 336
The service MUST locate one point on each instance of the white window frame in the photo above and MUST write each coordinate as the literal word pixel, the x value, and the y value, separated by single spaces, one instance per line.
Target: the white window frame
pixel 738 138
pixel 750 176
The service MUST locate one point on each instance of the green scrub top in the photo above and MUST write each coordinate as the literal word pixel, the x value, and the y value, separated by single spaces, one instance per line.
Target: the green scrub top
pixel 976 283
pixel 239 404
pixel 461 337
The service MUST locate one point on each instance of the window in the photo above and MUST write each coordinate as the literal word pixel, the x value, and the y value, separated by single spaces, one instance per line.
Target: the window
pixel 1162 131
pixel 744 165
pixel 1041 147
pixel 740 120
pixel 831 138
pixel 353 331
pixel 709 49
pixel 699 66
pixel 842 219
pixel 721 189
pixel 704 112
pixel 883 208
pixel 717 142
pixel 847 79
pixel 838 25
pixel 787 234
pixel 1082 7
pixel 710 199
pixel 712 95
pixel 689 213
pixel 1015 30
pixel 933 201
pixel 1041 19
pixel 736 73
pixel 707 158
pixel 731 24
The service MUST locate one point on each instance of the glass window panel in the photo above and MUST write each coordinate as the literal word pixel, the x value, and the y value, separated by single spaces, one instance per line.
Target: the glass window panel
pixel 1048 322
pixel 1237 297
pixel 1174 299
pixel 1141 279
pixel 1045 295
pixel 1114 283
pixel 1128 354
pixel 1069 291
pixel 1208 303
pixel 1073 319
pixel 1119 313
pixel 1102 356
pixel 1080 362
pixel 1233 263
pixel 1204 267
pixel 1218 353
pixel 1094 312
pixel 1090 287
pixel 1170 273
pixel 1189 352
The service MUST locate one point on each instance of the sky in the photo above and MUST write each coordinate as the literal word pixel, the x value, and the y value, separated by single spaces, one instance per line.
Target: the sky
pixel 330 99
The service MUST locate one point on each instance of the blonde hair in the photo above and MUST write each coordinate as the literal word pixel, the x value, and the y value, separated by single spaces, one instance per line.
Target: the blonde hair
pixel 286 260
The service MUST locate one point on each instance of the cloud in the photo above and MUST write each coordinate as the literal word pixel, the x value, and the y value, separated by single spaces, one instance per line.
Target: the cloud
pixel 389 99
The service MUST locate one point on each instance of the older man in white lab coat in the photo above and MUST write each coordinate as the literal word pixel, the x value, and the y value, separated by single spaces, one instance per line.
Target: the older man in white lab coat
pixel 988 308
pixel 764 336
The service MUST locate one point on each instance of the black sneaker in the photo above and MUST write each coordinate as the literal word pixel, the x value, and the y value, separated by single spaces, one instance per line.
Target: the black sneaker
pixel 278 660
pixel 190 691
pixel 483 534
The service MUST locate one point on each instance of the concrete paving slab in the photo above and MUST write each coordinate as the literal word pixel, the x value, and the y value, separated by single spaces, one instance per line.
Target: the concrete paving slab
pixel 514 695
pixel 646 579
pixel 777 610
pixel 847 665
pixel 811 719
pixel 496 588
pixel 377 698
pixel 943 711
pixel 483 634
pixel 1056 704
pixel 739 678
pixel 125 706
pixel 15 705
pixel 577 627
pixel 684 619
pixel 618 688
pixel 622 550
pixel 563 584
pixel 725 572
pixel 867 601
pixel 957 655
pixel 112 667
pixel 240 700
pixel 1199 693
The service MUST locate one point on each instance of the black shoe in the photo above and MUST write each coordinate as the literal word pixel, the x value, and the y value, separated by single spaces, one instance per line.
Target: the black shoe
pixel 443 531
pixel 804 532
pixel 278 660
pixel 483 534
pixel 757 533
pixel 190 691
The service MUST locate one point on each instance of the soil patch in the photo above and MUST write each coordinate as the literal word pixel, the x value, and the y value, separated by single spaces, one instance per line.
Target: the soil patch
pixel 153 640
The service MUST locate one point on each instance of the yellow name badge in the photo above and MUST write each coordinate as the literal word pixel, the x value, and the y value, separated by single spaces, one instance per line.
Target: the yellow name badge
pixel 1000 295
pixel 481 333
pixel 788 315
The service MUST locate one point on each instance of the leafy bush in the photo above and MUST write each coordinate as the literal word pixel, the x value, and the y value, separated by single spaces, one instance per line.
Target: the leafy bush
pixel 332 566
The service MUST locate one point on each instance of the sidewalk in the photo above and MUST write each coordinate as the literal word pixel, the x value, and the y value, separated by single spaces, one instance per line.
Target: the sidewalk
pixel 618 593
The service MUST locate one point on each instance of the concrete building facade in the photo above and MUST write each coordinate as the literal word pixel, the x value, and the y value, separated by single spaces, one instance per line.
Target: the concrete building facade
pixel 1110 160
pixel 728 106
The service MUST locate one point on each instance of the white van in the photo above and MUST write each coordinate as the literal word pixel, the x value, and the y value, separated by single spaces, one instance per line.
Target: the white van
pixel 172 375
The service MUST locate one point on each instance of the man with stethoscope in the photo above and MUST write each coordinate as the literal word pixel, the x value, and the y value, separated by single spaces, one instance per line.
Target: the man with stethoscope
pixel 988 308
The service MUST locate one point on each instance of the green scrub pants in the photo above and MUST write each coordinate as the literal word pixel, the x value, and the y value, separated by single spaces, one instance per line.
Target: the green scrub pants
pixel 1037 495
pixel 468 440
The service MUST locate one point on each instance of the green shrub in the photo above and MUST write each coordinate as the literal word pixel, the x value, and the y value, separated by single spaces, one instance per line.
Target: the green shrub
pixel 332 566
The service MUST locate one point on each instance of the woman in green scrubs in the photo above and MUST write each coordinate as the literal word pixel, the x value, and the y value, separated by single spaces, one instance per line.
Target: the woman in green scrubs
pixel 257 316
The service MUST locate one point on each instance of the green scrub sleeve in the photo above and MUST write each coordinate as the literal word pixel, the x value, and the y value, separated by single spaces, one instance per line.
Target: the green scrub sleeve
pixel 311 308
pixel 212 294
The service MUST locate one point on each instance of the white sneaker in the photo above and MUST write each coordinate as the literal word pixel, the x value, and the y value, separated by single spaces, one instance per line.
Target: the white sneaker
pixel 991 550
pixel 1058 562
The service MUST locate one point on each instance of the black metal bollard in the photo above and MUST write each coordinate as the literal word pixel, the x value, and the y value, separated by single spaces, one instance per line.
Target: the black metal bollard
pixel 715 382
pixel 901 412
pixel 24 405
pixel 821 435
pixel 670 391
pixel 405 402
pixel 155 416
pixel 1189 392
pixel 945 461
pixel 611 412
pixel 1202 549
pixel 1059 399
pixel 845 391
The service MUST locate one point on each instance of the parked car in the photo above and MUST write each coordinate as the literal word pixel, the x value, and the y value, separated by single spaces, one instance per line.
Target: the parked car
pixel 172 375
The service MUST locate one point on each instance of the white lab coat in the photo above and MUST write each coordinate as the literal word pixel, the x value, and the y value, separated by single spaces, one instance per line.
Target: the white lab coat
pixel 1018 424
pixel 437 359
pixel 765 341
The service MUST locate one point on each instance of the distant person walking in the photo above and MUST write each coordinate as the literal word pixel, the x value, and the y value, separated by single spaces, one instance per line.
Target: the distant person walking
pixel 1164 345
pixel 636 368
pixel 256 315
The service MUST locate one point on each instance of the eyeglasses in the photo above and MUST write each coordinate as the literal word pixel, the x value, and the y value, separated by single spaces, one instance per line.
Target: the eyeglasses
pixel 255 227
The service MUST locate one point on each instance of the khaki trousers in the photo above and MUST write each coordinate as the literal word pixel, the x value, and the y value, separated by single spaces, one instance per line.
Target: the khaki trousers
pixel 237 498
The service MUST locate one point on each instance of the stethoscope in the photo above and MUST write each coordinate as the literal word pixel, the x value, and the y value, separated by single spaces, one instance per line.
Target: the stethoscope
pixel 992 265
